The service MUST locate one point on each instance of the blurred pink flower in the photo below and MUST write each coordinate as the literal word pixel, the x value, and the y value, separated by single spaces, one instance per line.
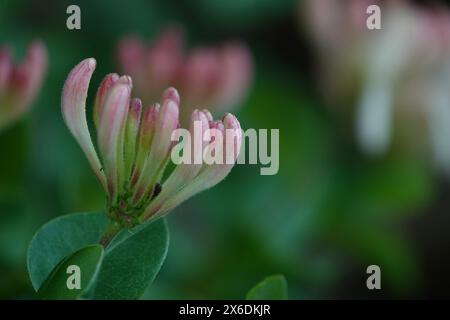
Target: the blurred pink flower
pixel 19 84
pixel 135 145
pixel 395 81
pixel 216 77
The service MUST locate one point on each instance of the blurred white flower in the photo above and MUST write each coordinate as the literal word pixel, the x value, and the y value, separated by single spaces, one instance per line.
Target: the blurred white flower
pixel 396 80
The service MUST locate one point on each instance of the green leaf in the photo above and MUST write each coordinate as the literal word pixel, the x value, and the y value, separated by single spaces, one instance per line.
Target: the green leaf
pixel 271 288
pixel 58 239
pixel 133 262
pixel 130 262
pixel 88 260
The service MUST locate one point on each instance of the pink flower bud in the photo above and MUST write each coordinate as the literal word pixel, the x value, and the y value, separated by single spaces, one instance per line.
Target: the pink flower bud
pixel 132 134
pixel 182 184
pixel 236 75
pixel 146 133
pixel 111 134
pixel 164 59
pixel 233 138
pixel 135 144
pixel 171 94
pixel 183 174
pixel 161 145
pixel 26 78
pixel 208 115
pixel 200 77
pixel 155 67
pixel 73 106
pixel 20 84
pixel 209 76
pixel 131 53
pixel 105 86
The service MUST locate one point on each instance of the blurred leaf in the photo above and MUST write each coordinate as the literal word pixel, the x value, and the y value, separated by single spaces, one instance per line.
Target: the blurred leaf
pixel 243 13
pixel 13 143
pixel 397 185
pixel 17 225
pixel 88 260
pixel 59 238
pixel 132 262
pixel 380 245
pixel 271 288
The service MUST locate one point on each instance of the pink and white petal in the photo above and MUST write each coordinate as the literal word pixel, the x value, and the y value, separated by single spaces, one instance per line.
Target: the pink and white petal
pixel 183 174
pixel 73 106
pixel 111 132
pixel 145 138
pixel 131 135
pixel 161 145
pixel 209 175
pixel 102 93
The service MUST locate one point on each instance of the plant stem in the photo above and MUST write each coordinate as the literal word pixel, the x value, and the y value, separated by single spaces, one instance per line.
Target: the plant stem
pixel 111 231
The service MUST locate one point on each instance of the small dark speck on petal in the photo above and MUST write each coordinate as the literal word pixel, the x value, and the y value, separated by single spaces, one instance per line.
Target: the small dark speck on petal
pixel 156 190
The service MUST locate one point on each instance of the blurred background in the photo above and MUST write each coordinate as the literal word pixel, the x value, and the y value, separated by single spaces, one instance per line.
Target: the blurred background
pixel 364 118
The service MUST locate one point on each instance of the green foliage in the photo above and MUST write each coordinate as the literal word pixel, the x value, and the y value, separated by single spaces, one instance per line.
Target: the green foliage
pixel 88 259
pixel 243 13
pixel 60 238
pixel 271 288
pixel 130 262
pixel 13 142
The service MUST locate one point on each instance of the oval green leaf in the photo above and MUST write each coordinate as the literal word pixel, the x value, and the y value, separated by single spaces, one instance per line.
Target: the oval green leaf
pixel 60 238
pixel 74 275
pixel 132 263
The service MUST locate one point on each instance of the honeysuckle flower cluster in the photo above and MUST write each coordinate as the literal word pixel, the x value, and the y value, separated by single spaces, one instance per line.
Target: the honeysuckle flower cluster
pixel 135 144
pixel 20 83
pixel 216 77
pixel 397 78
